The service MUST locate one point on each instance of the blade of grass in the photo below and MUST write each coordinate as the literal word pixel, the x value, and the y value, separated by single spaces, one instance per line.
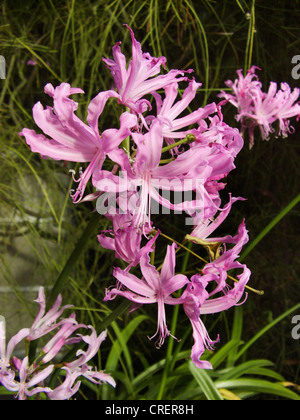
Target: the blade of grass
pixel 76 254
pixel 40 182
pixel 266 329
pixel 258 386
pixel 40 59
pixel 205 382
pixel 205 49
pixel 250 40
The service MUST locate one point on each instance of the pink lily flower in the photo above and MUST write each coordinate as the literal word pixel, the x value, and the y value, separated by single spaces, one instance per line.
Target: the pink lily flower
pixel 218 132
pixel 94 342
pixel 67 389
pixel 126 240
pixel 186 173
pixel 70 138
pixel 6 352
pixel 154 287
pixel 23 386
pixel 242 89
pixel 204 228
pixel 136 80
pixel 167 111
pixel 45 322
pixel 61 338
pixel 259 109
pixel 199 301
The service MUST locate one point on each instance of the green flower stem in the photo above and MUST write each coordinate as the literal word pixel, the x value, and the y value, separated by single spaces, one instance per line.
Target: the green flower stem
pixel 190 138
pixel 90 229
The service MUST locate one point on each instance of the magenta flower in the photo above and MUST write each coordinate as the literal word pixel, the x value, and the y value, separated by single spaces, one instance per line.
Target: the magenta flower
pixel 259 109
pixel 154 287
pixel 22 387
pixel 187 173
pixel 198 301
pixel 126 240
pixel 45 322
pixel 6 352
pixel 61 338
pixel 168 110
pixel 94 342
pixel 70 138
pixel 135 81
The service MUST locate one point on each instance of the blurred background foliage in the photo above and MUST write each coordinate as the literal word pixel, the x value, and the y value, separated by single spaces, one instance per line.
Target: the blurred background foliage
pixel 39 225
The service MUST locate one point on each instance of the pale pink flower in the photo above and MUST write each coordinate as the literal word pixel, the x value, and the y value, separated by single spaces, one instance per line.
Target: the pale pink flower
pixel 61 338
pixel 154 287
pixel 70 138
pixel 125 239
pixel 259 109
pixel 27 381
pixel 6 351
pixel 67 389
pixel 198 301
pixel 46 322
pixel 70 387
pixel 135 81
pixel 94 342
pixel 169 111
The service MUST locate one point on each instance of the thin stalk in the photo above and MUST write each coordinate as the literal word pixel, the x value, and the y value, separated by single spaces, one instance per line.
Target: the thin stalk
pixel 258 292
pixel 76 254
pixel 190 138
pixel 250 41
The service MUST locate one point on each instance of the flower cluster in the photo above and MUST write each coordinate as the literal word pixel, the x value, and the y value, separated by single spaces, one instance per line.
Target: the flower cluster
pixel 257 108
pixel 28 378
pixel 159 148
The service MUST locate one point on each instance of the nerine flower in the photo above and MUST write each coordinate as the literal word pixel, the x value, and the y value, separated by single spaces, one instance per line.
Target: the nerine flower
pixel 27 379
pixel 125 239
pixel 70 138
pixel 154 287
pixel 198 301
pixel 259 109
pixel 169 112
pixel 25 382
pixel 46 322
pixel 135 81
pixel 188 172
pixel 7 351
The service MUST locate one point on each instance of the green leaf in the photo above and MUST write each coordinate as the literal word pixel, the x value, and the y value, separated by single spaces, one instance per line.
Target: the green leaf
pixel 120 347
pixel 258 386
pixel 205 382
pixel 221 355
pixel 266 329
pixel 90 229
pixel 245 368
